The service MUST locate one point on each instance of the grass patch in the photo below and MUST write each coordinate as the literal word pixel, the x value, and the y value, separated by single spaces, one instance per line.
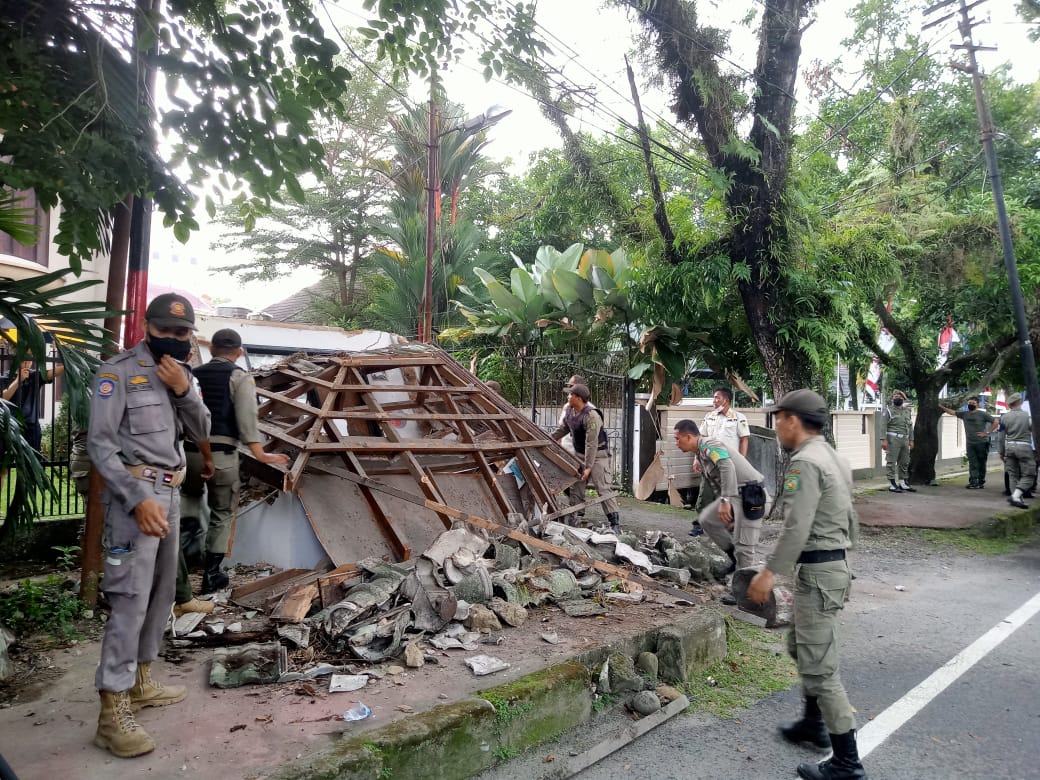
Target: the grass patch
pixel 756 665
pixel 46 607
pixel 999 536
pixel 629 502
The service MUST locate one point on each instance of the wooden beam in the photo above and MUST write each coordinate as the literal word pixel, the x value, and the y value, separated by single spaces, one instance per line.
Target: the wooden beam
pixel 578 507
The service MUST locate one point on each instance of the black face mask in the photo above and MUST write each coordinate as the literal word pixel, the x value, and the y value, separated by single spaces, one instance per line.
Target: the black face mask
pixel 972 407
pixel 175 348
pixel 898 402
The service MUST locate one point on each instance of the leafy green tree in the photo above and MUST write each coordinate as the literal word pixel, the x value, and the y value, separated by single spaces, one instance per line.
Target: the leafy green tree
pixel 333 228
pixel 81 121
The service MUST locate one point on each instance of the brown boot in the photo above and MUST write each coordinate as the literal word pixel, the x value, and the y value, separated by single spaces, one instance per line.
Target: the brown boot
pixel 195 605
pixel 149 693
pixel 117 731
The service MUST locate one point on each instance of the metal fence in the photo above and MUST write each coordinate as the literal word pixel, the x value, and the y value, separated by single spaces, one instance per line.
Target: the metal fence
pixel 542 395
pixel 55 447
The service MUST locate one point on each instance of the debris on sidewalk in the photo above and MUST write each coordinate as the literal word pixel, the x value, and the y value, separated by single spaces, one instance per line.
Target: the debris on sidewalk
pixel 486 664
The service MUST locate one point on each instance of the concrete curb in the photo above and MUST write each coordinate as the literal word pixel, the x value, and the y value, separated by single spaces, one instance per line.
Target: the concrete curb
pixel 460 739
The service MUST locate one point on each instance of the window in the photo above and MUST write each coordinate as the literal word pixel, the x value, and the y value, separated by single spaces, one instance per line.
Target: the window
pixel 40 251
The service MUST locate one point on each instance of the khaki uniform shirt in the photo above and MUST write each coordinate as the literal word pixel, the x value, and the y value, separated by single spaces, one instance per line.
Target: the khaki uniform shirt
pixel 1018 428
pixel 899 420
pixel 725 469
pixel 816 504
pixel 135 419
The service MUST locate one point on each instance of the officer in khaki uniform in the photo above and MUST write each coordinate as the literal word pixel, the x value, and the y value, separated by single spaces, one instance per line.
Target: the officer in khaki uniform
pixel 143 404
pixel 229 393
pixel 584 422
pixel 727 471
pixel 1017 451
pixel 819 524
pixel 897 440
pixel 978 427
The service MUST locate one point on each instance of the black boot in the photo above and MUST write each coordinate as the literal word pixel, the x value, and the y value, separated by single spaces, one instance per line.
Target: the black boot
pixel 810 728
pixel 615 522
pixel 213 578
pixel 729 569
pixel 893 487
pixel 843 765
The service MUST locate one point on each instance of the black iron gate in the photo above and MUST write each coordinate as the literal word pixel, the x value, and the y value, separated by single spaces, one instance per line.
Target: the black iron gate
pixel 543 397
pixel 55 448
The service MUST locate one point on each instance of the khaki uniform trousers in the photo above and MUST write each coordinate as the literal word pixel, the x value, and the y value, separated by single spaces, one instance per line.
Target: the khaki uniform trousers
pixel 742 541
pixel 599 479
pixel 1020 465
pixel 897 459
pixel 820 593
pixel 221 493
pixel 140 572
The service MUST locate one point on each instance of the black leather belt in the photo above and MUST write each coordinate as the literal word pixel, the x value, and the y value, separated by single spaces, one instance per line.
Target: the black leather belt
pixel 821 556
pixel 190 446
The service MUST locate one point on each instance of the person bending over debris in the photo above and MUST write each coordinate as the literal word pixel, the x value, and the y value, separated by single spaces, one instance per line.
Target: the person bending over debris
pixel 229 393
pixel 819 524
pixel 143 403
pixel 730 475
pixel 584 423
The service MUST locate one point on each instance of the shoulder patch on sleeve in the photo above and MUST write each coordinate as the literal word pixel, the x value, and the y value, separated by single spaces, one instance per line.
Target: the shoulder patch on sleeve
pixel 792 482
pixel 106 386
pixel 714 454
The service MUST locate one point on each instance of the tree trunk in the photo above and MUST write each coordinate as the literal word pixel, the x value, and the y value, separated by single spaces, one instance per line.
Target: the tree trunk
pixel 926 434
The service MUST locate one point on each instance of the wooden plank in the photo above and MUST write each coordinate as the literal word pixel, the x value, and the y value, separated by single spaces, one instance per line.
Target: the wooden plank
pixel 379 444
pixel 531 541
pixel 578 507
pixel 266 582
pixel 296 603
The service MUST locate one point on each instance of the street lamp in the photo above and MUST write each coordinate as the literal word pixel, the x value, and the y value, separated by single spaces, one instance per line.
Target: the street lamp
pixel 433 190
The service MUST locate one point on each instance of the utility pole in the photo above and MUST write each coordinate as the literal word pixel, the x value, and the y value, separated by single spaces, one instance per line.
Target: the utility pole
pixel 433 194
pixel 987 134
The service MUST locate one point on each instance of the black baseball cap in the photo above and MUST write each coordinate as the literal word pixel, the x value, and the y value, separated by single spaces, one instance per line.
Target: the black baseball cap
pixel 227 338
pixel 171 310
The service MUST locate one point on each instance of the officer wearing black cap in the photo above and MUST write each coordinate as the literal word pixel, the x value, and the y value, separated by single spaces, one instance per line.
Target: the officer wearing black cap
pixel 229 393
pixel 143 405
pixel 819 525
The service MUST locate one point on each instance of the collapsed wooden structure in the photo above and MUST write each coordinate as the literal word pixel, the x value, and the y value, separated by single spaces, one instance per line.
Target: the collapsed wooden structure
pixel 387 447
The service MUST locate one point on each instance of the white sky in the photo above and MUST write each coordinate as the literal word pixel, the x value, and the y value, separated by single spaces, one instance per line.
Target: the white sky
pixel 590 44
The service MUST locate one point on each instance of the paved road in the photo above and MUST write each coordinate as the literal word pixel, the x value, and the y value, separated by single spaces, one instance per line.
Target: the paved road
pixel 986 724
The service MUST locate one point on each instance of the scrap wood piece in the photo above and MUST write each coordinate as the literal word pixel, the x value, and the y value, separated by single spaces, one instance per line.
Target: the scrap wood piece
pixel 331 585
pixel 296 603
pixel 255 594
pixel 226 639
pixel 578 507
pixel 530 541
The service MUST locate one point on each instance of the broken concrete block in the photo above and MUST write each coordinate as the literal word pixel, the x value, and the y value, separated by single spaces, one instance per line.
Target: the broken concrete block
pixel 511 614
pixel 413 656
pixel 644 703
pixel 667 694
pixel 647 665
pixel 623 675
pixel 778 608
pixel 486 664
pixel 475 588
pixel 679 576
pixel 253 664
pixel 671 655
pixel 482 619
pixel 187 623
pixel 582 608
pixel 6 640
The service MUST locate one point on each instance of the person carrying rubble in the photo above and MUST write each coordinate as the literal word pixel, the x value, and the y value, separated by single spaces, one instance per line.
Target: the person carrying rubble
pixel 819 525
pixel 733 479
pixel 143 403
pixel 584 423
pixel 228 391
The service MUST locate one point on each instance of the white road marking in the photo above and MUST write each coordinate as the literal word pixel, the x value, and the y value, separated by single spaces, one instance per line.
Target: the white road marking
pixel 888 722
